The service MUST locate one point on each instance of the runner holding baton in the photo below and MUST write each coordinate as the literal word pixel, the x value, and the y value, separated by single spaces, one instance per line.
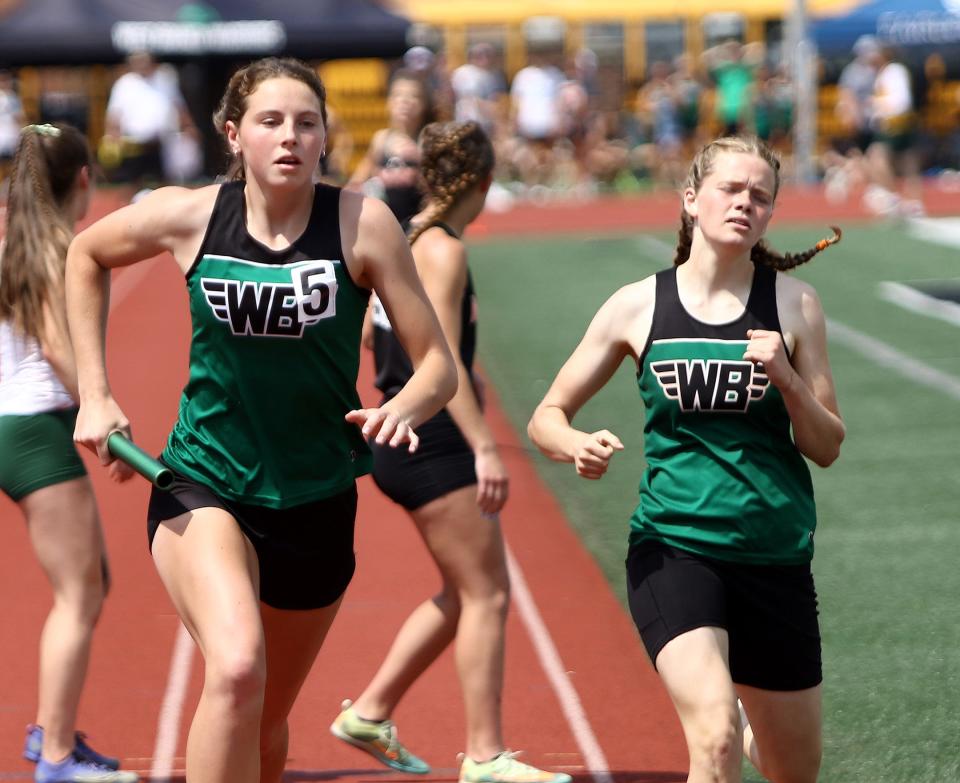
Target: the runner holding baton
pixel 129 452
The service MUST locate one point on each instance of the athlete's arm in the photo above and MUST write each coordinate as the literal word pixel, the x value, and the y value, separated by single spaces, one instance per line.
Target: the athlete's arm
pixel 442 263
pixel 378 256
pixel 169 219
pixel 806 384
pixel 618 329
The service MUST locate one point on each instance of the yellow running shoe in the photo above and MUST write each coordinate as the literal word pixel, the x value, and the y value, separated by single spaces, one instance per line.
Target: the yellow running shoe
pixel 378 738
pixel 504 768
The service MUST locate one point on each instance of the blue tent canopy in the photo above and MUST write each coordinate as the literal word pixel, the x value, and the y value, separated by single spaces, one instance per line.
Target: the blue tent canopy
pixel 90 31
pixel 903 23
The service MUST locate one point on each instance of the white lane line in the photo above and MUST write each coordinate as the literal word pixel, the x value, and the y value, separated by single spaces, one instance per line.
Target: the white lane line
pixel 168 726
pixel 557 675
pixel 889 357
pixel 942 231
pixel 181 662
pixel 909 298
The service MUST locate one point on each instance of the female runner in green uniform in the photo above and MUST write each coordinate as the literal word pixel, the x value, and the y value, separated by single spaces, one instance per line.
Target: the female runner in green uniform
pixel 40 469
pixel 255 540
pixel 731 355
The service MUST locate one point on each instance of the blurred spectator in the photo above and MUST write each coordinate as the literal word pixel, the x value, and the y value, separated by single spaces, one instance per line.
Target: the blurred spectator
pixel 586 70
pixel 845 164
pixel 658 114
pixel 478 90
pixel 335 161
pixel 391 168
pixel 431 69
pixel 772 107
pixel 607 152
pixel 145 112
pixel 855 92
pixel 64 97
pixel 576 115
pixel 535 116
pixel 687 91
pixel 732 71
pixel 893 151
pixel 11 120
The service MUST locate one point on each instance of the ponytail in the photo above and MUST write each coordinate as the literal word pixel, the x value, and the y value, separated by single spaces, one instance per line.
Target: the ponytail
pixel 42 177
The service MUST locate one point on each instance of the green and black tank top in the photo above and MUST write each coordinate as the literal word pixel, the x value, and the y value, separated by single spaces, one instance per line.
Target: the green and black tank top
pixel 724 478
pixel 274 358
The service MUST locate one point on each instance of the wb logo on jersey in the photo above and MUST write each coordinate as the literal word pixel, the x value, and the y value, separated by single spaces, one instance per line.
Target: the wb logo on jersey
pixel 267 309
pixel 711 385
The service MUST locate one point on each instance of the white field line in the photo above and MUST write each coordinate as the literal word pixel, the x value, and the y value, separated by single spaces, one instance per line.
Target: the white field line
pixel 181 662
pixel 892 359
pixel 168 725
pixel 943 231
pixel 915 301
pixel 553 667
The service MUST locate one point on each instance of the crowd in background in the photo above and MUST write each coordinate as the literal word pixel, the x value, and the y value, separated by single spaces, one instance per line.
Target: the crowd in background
pixel 554 130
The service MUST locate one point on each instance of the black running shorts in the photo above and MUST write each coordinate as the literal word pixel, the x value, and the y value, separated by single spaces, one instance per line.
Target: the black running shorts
pixel 444 462
pixel 305 552
pixel 768 611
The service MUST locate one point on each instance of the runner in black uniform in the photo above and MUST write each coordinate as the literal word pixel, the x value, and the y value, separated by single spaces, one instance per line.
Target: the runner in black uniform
pixel 453 488
pixel 731 355
pixel 255 540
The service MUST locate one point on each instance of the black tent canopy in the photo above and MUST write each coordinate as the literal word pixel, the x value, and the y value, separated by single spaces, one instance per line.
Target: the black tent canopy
pixel 39 32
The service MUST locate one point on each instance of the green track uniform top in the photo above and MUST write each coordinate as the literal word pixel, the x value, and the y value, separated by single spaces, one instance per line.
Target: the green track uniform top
pixel 724 478
pixel 273 362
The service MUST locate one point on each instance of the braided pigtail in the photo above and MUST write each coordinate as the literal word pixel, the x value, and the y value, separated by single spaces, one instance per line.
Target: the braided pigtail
pixel 455 156
pixel 762 253
pixel 684 239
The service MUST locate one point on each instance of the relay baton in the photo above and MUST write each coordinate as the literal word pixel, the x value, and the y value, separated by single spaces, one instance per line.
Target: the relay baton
pixel 129 452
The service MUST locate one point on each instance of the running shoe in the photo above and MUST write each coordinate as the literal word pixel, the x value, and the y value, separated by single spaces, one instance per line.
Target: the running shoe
pixel 378 738
pixel 75 770
pixel 33 747
pixel 504 768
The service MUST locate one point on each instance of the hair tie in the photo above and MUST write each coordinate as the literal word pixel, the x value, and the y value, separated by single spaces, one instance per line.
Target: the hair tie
pixel 823 244
pixel 44 130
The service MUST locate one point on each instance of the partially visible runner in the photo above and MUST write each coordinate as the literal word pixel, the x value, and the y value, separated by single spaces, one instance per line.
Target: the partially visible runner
pixel 452 488
pixel 389 170
pixel 254 542
pixel 50 188
pixel 731 355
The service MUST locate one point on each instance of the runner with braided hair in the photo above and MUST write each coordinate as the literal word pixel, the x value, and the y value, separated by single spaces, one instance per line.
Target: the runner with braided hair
pixel 731 356
pixel 453 488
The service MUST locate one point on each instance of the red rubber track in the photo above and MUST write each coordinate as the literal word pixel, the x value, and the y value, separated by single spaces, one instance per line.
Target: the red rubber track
pixel 622 699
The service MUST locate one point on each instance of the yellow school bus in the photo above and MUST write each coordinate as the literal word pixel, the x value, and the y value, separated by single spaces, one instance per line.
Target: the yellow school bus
pixel 627 33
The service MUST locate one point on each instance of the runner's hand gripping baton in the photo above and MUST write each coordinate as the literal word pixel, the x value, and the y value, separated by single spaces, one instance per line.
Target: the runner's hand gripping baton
pixel 129 452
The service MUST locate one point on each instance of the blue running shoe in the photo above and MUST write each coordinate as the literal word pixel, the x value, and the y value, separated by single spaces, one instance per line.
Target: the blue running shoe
pixel 33 748
pixel 75 770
